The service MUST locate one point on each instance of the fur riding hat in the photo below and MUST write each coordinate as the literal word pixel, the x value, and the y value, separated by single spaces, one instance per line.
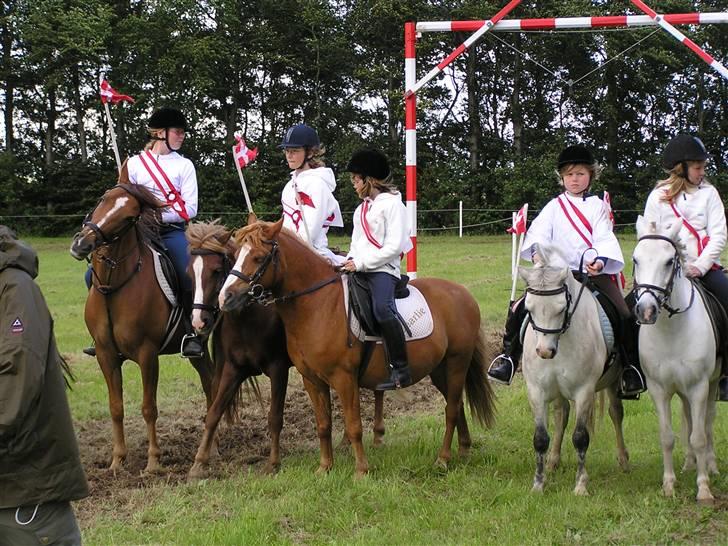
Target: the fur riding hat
pixel 300 136
pixel 166 117
pixel 575 155
pixel 369 163
pixel 683 147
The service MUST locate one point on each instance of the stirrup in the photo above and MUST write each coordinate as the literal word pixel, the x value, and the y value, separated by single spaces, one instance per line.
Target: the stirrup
pixel 398 379
pixel 494 368
pixel 191 346
pixel 90 351
pixel 634 393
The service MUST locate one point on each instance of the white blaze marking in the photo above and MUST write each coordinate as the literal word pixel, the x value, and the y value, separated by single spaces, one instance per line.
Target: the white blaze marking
pixel 197 266
pixel 231 279
pixel 118 204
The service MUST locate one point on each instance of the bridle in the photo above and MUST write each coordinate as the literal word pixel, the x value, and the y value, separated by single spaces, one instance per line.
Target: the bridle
pixel 563 289
pixel 662 295
pixel 226 268
pixel 260 294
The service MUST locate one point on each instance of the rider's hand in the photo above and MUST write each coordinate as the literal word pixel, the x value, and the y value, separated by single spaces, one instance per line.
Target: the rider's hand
pixel 595 267
pixel 349 266
pixel 692 271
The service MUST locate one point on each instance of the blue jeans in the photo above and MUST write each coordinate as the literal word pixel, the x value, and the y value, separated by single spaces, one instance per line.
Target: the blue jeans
pixel 716 282
pixel 381 286
pixel 178 251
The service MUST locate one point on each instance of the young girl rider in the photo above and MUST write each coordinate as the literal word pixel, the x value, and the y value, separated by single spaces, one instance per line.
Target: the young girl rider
pixel 173 180
pixel 309 205
pixel 576 221
pixel 380 236
pixel 687 196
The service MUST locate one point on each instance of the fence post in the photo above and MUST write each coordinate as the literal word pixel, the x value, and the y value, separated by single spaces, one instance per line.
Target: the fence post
pixel 461 219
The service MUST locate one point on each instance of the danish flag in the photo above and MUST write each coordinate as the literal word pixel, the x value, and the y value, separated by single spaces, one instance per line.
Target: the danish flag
pixel 608 207
pixel 109 94
pixel 243 155
pixel 519 224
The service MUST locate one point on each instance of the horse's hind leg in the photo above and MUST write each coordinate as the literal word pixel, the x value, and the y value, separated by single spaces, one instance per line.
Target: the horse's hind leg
pixel 149 366
pixel 616 414
pixel 561 419
pixel 230 381
pixel 378 418
pixel 320 395
pixel 584 405
pixel 455 372
pixel 278 374
pixel 110 365
pixel 464 442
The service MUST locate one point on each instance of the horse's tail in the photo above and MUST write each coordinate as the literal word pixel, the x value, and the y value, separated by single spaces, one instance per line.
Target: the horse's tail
pixel 481 397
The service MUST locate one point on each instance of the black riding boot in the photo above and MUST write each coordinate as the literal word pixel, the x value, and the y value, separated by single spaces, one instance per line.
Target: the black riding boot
pixel 90 350
pixel 192 346
pixel 632 380
pixel 503 367
pixel 396 352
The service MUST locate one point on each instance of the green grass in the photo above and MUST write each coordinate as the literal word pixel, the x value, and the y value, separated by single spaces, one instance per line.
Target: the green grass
pixel 404 500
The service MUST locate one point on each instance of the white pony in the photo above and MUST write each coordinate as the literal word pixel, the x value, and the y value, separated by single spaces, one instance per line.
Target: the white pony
pixel 564 354
pixel 677 351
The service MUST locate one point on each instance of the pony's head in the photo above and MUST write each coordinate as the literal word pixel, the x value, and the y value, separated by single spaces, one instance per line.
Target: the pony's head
pixel 212 252
pixel 548 298
pixel 120 209
pixel 257 266
pixel 657 260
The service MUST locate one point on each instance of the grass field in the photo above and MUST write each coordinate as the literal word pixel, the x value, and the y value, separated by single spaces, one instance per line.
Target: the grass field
pixel 405 499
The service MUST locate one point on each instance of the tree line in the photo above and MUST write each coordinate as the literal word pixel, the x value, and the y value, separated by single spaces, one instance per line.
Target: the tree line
pixel 489 128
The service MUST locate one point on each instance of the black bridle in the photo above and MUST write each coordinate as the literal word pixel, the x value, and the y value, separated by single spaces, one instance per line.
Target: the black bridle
pixel 260 294
pixel 662 294
pixel 226 268
pixel 563 289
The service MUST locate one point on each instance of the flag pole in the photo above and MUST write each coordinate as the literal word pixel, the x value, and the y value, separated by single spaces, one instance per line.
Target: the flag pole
pixel 518 255
pixel 514 238
pixel 242 182
pixel 102 77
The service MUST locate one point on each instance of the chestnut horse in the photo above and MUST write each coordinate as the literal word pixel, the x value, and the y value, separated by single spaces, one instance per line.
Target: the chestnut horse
pixel 247 342
pixel 275 266
pixel 127 315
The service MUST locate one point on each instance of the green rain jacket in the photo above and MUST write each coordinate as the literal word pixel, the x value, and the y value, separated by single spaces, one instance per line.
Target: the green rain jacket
pixel 39 459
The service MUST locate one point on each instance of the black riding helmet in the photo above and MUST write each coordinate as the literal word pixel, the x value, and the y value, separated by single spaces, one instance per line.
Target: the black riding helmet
pixel 575 155
pixel 683 147
pixel 369 163
pixel 167 118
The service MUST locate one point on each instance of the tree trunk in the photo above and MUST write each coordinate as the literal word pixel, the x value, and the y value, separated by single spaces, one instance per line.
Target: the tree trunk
pixel 9 84
pixel 392 117
pixel 473 112
pixel 51 130
pixel 75 83
pixel 516 110
pixel 612 117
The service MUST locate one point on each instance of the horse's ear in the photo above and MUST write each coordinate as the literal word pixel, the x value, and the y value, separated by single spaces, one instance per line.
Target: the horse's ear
pixel 525 273
pixel 225 237
pixel 276 228
pixel 672 230
pixel 252 218
pixel 124 173
pixel 641 226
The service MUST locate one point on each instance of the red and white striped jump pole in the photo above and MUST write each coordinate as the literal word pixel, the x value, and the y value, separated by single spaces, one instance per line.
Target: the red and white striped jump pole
pixel 462 48
pixel 410 138
pixel 568 23
pixel 680 37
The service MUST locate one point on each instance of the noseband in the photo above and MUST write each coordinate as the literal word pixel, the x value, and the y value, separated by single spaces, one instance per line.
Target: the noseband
pixel 257 292
pixel 662 294
pixel 563 289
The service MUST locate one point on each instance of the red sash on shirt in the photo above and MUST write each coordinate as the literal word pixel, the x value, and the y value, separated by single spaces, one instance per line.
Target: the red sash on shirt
pixel 694 232
pixel 581 217
pixel 174 199
pixel 365 224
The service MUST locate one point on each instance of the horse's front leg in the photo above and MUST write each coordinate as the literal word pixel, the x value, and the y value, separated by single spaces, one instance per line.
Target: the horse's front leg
pixel 584 405
pixel 110 365
pixel 539 408
pixel 378 418
pixel 699 442
pixel 320 396
pixel 347 388
pixel 149 365
pixel 439 379
pixel 616 414
pixel 561 419
pixel 205 370
pixel 667 438
pixel 230 380
pixel 278 374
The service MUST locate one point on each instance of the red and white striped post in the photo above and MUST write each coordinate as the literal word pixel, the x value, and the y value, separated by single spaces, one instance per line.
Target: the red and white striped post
pixel 410 126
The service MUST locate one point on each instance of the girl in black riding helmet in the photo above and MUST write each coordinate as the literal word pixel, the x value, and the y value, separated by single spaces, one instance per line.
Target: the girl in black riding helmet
pixel 309 205
pixel 577 221
pixel 686 196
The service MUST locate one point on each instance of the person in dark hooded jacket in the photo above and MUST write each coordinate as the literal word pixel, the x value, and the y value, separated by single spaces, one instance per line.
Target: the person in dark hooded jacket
pixel 40 467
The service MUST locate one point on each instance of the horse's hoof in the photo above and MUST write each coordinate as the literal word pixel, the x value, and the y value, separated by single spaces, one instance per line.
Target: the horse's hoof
pixel 323 469
pixel 552 465
pixel 708 501
pixel 441 464
pixel 668 491
pixel 197 472
pixel 378 441
pixel 581 491
pixel 537 488
pixel 360 475
pixel 271 468
pixel 153 468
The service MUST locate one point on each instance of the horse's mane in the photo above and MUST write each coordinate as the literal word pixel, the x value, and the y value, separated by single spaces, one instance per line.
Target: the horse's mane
pixel 254 236
pixel 209 236
pixel 551 266
pixel 148 224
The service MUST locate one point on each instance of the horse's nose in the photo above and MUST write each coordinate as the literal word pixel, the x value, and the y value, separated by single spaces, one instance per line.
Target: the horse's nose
pixel 646 313
pixel 80 248
pixel 546 353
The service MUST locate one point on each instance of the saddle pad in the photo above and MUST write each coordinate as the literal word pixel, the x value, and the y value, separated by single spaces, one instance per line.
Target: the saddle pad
pixel 413 309
pixel 162 278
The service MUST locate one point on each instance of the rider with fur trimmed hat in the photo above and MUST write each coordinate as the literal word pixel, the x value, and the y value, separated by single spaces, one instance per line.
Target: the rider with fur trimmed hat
pixel 577 223
pixel 687 197
pixel 380 236
pixel 309 205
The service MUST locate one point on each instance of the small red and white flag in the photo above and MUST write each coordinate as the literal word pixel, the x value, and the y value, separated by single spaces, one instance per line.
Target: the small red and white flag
pixel 519 224
pixel 244 155
pixel 109 94
pixel 608 207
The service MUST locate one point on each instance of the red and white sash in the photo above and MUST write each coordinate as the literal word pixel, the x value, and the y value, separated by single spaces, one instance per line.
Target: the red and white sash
pixel 174 199
pixel 702 243
pixel 580 216
pixel 365 224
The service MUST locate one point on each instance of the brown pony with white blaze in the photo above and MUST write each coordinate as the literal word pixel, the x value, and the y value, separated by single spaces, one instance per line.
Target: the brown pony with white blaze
pixel 275 265
pixel 247 342
pixel 126 310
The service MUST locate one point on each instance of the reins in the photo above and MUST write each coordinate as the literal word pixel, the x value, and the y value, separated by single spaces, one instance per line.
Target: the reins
pixel 666 291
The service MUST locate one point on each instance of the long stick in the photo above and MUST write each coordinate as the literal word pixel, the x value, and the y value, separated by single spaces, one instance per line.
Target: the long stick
pixel 242 182
pixel 514 238
pixel 113 136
